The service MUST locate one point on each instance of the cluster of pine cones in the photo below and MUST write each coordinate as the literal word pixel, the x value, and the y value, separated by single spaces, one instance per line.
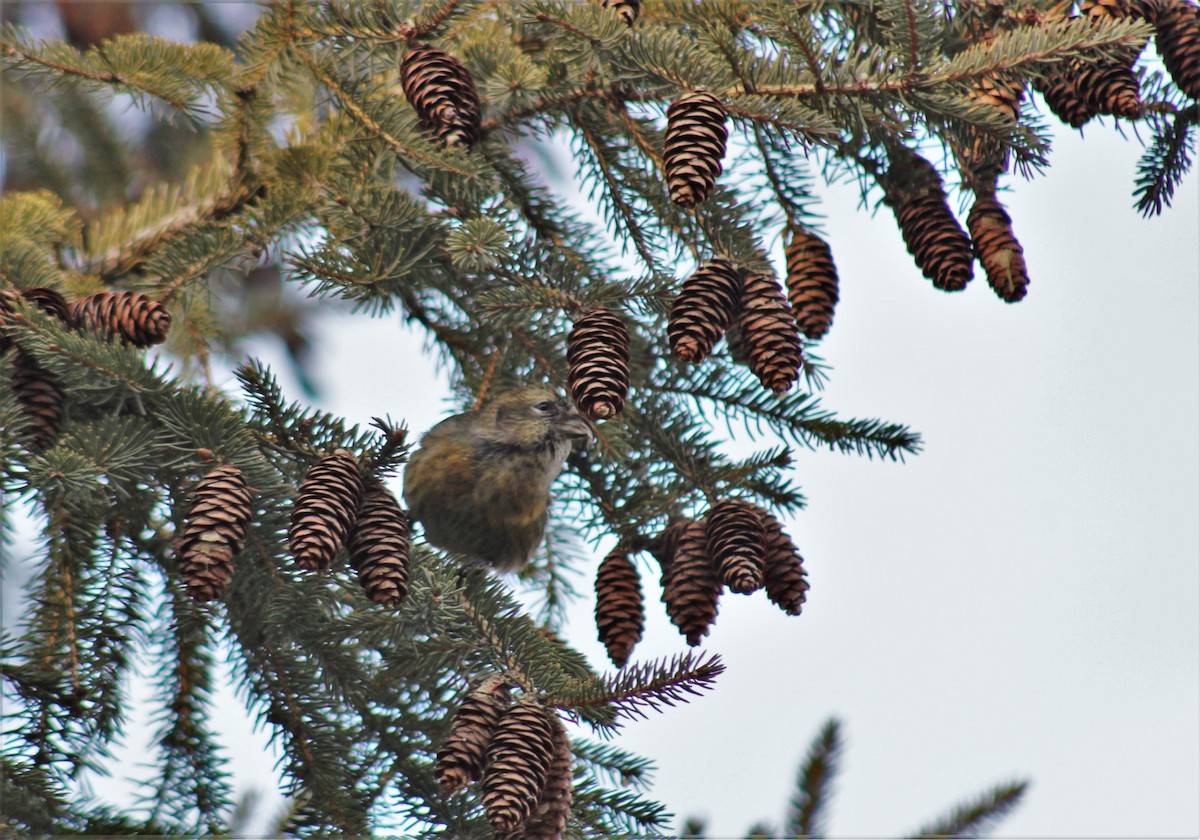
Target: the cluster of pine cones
pixel 520 754
pixel 735 545
pixel 333 507
pixel 130 317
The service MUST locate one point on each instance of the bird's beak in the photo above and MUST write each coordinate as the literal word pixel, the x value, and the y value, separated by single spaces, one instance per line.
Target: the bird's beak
pixel 575 425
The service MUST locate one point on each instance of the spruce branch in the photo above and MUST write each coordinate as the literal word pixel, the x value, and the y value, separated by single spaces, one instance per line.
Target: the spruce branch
pixel 976 816
pixel 645 686
pixel 807 812
pixel 1166 160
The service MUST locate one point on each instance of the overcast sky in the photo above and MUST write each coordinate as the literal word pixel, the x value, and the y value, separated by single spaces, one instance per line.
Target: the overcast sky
pixel 1020 600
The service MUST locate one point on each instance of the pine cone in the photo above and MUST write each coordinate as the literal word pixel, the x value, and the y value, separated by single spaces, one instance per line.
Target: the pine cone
pixel 783 569
pixel 324 510
pixel 550 815
pixel 1003 92
pixel 690 584
pixel 598 355
pixel 518 764
pixel 620 614
pixel 664 544
pixel 1057 87
pixel 769 331
pixel 130 315
pixel 1177 33
pixel 694 146
pixel 735 543
pixel 48 300
pixel 997 248
pixel 704 309
pixel 40 395
pixel 1109 87
pixel 463 754
pixel 442 93
pixel 812 283
pixel 213 532
pixel 941 249
pixel 627 9
pixel 379 546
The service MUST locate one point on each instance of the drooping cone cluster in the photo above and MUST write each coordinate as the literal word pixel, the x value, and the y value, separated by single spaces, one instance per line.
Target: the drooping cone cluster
pixel 598 359
pixel 462 756
pixel 942 250
pixel 694 146
pixel 704 309
pixel 768 332
pixel 442 93
pixel 627 9
pixel 812 283
pixel 690 583
pixel 554 807
pixel 620 611
pixel 131 316
pixel 1177 34
pixel 378 547
pixel 734 539
pixel 325 509
pixel 783 568
pixel 40 395
pixel 518 765
pixel 213 532
pixel 997 247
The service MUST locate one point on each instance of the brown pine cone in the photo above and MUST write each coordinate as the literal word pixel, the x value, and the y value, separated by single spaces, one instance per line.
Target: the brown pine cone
pixel 735 543
pixel 783 569
pixel 1109 87
pixel 442 93
pixel 48 300
pixel 942 250
pixel 704 309
pixel 772 341
pixel 598 359
pixel 213 532
pixel 325 507
pixel 620 613
pixel 379 546
pixel 463 754
pixel 549 817
pixel 997 248
pixel 1057 87
pixel 627 9
pixel 131 316
pixel 812 283
pixel 40 395
pixel 1177 33
pixel 518 765
pixel 694 146
pixel 1003 92
pixel 690 584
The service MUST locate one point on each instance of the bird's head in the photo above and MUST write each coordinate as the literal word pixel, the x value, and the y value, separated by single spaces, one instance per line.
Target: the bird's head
pixel 534 417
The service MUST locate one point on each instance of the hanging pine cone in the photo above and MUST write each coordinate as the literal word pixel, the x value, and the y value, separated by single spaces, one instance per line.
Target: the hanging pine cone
pixel 48 300
pixel 620 614
pixel 442 93
pixel 1177 33
pixel 518 764
pixel 694 146
pixel 783 568
pixel 704 309
pixel 997 248
pixel 1057 87
pixel 324 510
pixel 40 395
pixel 663 545
pixel 130 315
pixel 933 236
pixel 812 283
pixel 627 9
pixel 550 815
pixel 463 754
pixel 735 543
pixel 772 341
pixel 690 584
pixel 598 356
pixel 213 532
pixel 379 546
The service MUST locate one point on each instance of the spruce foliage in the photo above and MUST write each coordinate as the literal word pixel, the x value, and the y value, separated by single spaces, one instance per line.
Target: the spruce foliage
pixel 286 168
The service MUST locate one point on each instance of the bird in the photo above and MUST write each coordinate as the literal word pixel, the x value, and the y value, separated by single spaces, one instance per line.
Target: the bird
pixel 479 481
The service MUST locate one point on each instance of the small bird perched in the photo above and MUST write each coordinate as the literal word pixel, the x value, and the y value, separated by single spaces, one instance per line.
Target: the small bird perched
pixel 480 481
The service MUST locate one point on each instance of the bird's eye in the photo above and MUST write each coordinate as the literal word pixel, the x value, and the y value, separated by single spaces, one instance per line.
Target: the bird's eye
pixel 545 406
